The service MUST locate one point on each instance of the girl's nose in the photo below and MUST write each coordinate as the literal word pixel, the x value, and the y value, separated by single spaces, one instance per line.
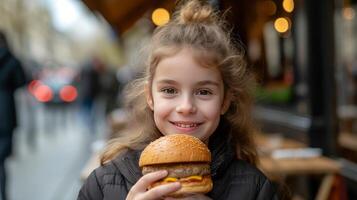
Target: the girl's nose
pixel 186 106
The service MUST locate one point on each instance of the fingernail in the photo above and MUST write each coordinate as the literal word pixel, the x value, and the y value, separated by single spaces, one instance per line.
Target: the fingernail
pixel 176 184
pixel 162 172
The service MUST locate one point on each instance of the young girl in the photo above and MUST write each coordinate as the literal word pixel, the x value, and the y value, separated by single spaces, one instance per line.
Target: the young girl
pixel 196 83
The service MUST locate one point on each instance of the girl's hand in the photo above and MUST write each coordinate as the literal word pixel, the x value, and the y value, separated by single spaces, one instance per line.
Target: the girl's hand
pixel 193 197
pixel 139 190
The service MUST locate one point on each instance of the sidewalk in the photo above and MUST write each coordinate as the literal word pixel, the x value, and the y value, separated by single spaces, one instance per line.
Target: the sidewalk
pixel 49 167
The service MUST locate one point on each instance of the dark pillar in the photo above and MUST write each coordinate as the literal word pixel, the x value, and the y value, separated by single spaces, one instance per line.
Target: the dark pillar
pixel 321 77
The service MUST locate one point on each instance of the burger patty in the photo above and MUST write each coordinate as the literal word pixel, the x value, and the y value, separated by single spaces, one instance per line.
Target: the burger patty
pixel 180 170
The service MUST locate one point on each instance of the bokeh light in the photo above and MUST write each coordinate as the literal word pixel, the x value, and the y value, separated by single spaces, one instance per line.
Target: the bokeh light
pixel 68 93
pixel 288 5
pixel 160 16
pixel 43 93
pixel 348 13
pixel 281 25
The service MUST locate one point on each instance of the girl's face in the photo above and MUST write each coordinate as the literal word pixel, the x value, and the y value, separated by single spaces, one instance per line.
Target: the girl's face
pixel 186 98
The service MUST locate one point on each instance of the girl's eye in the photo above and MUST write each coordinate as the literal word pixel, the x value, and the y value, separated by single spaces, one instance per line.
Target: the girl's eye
pixel 168 90
pixel 204 92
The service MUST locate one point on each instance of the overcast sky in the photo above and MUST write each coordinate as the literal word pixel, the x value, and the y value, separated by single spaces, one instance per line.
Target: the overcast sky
pixel 72 17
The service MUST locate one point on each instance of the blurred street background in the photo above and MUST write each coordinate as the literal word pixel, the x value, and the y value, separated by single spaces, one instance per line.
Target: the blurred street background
pixel 49 153
pixel 78 55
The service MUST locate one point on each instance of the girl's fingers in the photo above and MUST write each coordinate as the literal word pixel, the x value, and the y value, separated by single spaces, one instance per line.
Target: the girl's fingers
pixel 162 190
pixel 193 197
pixel 145 181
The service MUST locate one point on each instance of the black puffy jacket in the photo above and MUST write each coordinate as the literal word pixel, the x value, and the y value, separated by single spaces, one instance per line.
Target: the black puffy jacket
pixel 232 178
pixel 114 180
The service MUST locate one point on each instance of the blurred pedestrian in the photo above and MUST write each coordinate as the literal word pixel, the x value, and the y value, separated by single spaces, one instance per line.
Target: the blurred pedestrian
pixel 12 77
pixel 89 89
pixel 109 90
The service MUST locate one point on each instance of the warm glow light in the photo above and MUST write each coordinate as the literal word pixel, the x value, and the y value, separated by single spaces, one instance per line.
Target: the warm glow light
pixel 348 13
pixel 160 16
pixel 43 93
pixel 281 25
pixel 288 5
pixel 68 93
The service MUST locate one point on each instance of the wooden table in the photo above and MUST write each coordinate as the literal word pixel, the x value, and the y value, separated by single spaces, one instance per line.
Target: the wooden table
pixel 348 140
pixel 279 169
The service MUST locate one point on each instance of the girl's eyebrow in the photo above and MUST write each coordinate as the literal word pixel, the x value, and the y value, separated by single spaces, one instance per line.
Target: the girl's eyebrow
pixel 208 82
pixel 200 83
pixel 166 81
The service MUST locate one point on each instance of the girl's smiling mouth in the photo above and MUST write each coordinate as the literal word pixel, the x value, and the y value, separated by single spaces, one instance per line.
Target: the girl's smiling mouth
pixel 186 126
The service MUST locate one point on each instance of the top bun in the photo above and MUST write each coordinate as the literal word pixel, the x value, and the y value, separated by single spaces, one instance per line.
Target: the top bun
pixel 177 148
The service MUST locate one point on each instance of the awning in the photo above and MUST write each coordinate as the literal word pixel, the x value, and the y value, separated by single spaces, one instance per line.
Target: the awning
pixel 121 15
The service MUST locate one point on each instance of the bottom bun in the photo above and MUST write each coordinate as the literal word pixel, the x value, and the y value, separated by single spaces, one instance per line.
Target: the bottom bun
pixel 190 188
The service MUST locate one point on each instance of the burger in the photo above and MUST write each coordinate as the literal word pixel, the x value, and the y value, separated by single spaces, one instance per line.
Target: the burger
pixel 185 158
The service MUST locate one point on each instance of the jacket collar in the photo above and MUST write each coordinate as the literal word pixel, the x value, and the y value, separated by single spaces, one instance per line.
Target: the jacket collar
pixel 222 149
pixel 128 165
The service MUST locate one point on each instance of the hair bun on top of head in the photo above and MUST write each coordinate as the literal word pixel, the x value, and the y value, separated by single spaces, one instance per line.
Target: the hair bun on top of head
pixel 195 11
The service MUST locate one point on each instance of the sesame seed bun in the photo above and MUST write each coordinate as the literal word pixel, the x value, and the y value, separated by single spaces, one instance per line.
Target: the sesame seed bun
pixel 177 148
